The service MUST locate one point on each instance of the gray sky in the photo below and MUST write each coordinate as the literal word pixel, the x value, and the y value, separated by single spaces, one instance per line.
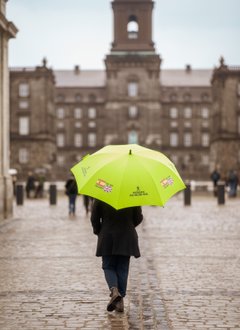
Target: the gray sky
pixel 81 31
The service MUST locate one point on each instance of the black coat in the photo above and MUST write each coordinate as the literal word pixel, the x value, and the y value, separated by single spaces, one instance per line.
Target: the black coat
pixel 116 229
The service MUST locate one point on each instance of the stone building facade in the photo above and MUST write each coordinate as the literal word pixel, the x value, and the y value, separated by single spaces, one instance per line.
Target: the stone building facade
pixel 133 100
pixel 7 31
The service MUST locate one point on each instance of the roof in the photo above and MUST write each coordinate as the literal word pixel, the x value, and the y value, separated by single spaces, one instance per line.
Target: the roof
pixel 191 78
pixel 97 78
pixel 86 78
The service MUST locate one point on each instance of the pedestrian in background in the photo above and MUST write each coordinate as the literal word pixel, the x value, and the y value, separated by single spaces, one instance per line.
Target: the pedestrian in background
pixel 117 242
pixel 232 183
pixel 30 185
pixel 71 192
pixel 215 177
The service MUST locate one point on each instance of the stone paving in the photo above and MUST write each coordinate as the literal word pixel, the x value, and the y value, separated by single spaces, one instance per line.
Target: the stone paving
pixel 187 278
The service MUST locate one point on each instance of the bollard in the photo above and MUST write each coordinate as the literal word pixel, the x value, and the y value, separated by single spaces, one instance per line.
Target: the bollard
pixel 187 194
pixel 53 194
pixel 221 192
pixel 19 194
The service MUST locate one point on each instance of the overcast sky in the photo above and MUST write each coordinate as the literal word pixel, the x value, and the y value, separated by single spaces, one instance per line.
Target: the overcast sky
pixel 81 31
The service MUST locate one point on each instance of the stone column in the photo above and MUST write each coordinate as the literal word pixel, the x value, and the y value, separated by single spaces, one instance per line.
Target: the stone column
pixel 7 31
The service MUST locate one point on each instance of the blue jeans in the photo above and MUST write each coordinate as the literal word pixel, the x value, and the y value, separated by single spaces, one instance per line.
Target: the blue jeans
pixel 116 269
pixel 72 202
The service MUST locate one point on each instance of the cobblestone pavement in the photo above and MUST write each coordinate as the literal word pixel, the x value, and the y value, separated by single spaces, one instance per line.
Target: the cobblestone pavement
pixel 187 278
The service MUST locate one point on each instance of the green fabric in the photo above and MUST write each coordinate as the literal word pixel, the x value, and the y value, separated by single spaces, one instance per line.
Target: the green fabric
pixel 128 175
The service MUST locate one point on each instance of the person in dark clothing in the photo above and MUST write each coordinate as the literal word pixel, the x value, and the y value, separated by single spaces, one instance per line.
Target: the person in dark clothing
pixel 232 182
pixel 215 177
pixel 117 242
pixel 30 185
pixel 71 191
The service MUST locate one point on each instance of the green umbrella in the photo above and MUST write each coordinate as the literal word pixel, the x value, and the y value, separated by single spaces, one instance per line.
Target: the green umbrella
pixel 128 175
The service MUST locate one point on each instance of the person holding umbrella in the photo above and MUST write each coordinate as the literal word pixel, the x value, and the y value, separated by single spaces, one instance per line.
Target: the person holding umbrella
pixel 117 242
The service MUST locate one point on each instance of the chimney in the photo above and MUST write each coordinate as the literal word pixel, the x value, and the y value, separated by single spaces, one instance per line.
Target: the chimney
pixel 188 68
pixel 76 69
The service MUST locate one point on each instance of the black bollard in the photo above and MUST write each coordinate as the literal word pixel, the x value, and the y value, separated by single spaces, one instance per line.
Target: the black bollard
pixel 19 194
pixel 53 194
pixel 187 194
pixel 221 192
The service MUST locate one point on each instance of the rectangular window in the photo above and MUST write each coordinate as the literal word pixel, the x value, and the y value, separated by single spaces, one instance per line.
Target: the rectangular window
pixel 23 125
pixel 133 111
pixel 92 124
pixel 132 137
pixel 78 140
pixel 173 139
pixel 23 104
pixel 187 112
pixel 78 113
pixel 92 113
pixel 60 140
pixel 132 89
pixel 205 160
pixel 187 139
pixel 60 160
pixel 60 113
pixel 23 156
pixel 205 139
pixel 205 113
pixel 78 124
pixel 173 112
pixel 91 139
pixel 60 124
pixel 23 90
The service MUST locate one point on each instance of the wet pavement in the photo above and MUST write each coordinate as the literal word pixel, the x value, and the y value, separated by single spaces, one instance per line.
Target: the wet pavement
pixel 187 278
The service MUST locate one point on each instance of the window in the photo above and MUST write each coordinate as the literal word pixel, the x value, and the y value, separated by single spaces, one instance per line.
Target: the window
pixel 173 112
pixel 132 137
pixel 187 139
pixel 78 98
pixel 23 156
pixel 92 98
pixel 92 124
pixel 174 159
pixel 205 160
pixel 91 139
pixel 78 124
pixel 132 111
pixel 60 98
pixel 23 125
pixel 60 113
pixel 173 139
pixel 78 113
pixel 60 160
pixel 187 112
pixel 132 27
pixel 205 113
pixel 132 89
pixel 187 124
pixel 23 90
pixel 92 113
pixel 205 139
pixel 60 124
pixel 23 104
pixel 173 97
pixel 173 124
pixel 60 140
pixel 205 123
pixel 187 97
pixel 78 140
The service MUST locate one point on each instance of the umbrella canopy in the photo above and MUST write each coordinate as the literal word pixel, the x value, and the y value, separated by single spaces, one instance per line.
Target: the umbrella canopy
pixel 128 175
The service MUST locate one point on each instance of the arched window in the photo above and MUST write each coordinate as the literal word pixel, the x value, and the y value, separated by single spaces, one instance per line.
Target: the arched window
pixel 132 27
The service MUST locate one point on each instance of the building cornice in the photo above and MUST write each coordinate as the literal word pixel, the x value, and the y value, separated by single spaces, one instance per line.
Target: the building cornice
pixel 7 27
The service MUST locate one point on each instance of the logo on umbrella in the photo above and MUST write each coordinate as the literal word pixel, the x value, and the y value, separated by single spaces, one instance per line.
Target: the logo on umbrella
pixel 104 185
pixel 138 192
pixel 167 182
